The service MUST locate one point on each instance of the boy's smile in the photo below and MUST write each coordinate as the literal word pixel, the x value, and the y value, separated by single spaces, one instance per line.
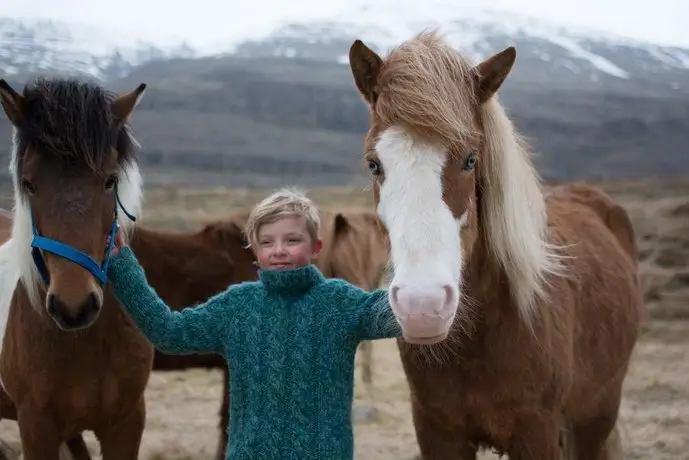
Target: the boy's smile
pixel 285 244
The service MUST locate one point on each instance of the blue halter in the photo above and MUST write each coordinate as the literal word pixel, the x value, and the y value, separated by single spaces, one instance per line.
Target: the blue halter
pixel 63 250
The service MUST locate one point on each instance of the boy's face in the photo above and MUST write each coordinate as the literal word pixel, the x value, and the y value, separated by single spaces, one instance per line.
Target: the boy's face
pixel 285 244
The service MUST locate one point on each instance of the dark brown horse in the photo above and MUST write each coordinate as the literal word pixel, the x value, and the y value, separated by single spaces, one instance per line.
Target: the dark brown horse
pixel 71 360
pixel 528 300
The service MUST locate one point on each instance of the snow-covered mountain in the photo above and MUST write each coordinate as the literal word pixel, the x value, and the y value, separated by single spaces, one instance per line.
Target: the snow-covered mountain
pixel 31 46
pixel 545 51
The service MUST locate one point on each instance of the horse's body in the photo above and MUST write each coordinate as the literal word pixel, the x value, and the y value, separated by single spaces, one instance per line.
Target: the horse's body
pixel 520 306
pixel 71 360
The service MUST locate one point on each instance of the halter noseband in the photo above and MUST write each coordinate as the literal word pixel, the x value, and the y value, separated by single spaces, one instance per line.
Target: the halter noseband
pixel 39 243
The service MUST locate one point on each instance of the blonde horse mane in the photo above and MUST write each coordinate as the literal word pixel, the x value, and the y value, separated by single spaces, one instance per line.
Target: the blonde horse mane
pixel 428 88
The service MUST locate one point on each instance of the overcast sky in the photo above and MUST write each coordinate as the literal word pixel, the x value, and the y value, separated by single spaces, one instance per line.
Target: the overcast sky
pixel 662 21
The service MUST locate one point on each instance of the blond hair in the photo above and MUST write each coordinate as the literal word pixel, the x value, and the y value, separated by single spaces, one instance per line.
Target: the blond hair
pixel 286 202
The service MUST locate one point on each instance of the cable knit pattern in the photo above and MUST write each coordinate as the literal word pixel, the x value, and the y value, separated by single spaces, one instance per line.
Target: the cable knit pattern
pixel 290 340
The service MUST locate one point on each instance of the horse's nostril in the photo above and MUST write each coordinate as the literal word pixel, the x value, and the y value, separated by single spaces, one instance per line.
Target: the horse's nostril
pixel 92 303
pixel 52 304
pixel 393 292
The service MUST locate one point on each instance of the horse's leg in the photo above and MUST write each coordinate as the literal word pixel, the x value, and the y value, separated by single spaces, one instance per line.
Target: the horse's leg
pixel 437 441
pixel 592 439
pixel 367 366
pixel 38 434
pixel 121 440
pixel 77 447
pixel 536 436
pixel 224 416
pixel 598 438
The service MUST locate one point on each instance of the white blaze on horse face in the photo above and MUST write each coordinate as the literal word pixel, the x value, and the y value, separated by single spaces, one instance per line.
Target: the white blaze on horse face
pixel 426 251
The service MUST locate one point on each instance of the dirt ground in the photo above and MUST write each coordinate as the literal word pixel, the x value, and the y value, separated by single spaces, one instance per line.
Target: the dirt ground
pixel 183 406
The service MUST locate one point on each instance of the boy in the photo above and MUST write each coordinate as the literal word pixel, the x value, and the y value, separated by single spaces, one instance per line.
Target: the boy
pixel 290 338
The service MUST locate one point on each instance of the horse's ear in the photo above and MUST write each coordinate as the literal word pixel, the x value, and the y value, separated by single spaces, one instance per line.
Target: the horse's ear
pixel 123 106
pixel 491 73
pixel 12 103
pixel 366 66
pixel 340 224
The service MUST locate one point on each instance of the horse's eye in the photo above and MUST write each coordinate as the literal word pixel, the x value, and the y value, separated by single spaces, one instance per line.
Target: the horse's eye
pixel 111 182
pixel 28 187
pixel 374 167
pixel 470 162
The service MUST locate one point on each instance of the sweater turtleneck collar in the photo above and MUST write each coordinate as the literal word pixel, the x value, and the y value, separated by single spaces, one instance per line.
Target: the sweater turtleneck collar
pixel 292 281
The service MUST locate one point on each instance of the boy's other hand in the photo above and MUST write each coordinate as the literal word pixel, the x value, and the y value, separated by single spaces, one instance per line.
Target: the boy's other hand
pixel 119 242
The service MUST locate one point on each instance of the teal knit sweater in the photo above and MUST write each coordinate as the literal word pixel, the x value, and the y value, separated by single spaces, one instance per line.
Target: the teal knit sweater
pixel 289 340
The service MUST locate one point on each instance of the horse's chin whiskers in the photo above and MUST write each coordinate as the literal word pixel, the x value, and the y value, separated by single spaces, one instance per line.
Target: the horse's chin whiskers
pixel 462 329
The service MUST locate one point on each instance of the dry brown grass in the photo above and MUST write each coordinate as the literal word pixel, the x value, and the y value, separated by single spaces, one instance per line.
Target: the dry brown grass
pixel 183 406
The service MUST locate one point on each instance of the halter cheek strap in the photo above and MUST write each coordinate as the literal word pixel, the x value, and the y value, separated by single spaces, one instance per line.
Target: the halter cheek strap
pixel 41 243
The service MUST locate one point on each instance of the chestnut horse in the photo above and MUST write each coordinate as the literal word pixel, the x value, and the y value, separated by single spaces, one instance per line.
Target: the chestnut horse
pixel 520 307
pixel 71 360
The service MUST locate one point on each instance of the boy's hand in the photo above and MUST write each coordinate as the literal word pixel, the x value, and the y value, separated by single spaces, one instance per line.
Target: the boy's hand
pixel 119 242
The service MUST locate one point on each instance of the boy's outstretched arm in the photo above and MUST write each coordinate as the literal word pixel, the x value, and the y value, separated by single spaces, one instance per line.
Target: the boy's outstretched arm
pixel 199 329
pixel 376 318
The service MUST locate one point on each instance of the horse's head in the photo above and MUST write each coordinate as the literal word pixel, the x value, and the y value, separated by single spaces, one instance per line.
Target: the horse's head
pixel 73 162
pixel 443 154
pixel 354 248
pixel 227 237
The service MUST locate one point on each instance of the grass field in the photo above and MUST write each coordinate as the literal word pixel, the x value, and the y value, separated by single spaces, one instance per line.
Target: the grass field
pixel 183 406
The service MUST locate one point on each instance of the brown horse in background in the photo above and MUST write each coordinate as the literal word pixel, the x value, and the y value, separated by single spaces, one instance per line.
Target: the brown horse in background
pixel 186 269
pixel 355 248
pixel 70 360
pixel 520 306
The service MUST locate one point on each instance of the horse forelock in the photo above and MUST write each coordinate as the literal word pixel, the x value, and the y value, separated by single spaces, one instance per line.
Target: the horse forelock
pixel 425 87
pixel 72 120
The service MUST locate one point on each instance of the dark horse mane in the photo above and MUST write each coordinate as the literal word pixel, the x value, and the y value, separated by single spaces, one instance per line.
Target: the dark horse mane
pixel 71 119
